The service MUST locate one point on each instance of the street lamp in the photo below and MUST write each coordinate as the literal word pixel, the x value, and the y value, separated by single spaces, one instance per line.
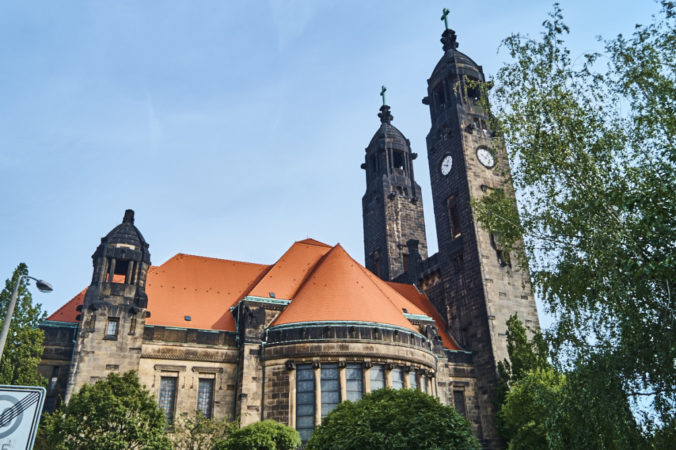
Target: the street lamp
pixel 42 286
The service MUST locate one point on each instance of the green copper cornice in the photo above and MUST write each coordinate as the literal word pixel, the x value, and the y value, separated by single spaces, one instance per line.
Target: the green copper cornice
pixel 418 317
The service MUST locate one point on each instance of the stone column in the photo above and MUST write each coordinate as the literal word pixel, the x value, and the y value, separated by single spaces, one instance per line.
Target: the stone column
pixel 388 375
pixel 291 367
pixel 318 392
pixel 342 375
pixel 367 377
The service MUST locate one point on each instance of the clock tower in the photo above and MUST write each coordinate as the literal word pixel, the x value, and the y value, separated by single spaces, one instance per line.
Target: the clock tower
pixel 477 288
pixel 394 226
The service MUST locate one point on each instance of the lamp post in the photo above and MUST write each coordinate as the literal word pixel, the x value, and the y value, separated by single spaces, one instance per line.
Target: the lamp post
pixel 42 286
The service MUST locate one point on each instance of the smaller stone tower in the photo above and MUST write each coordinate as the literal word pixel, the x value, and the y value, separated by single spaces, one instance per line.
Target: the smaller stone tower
pixel 113 315
pixel 394 226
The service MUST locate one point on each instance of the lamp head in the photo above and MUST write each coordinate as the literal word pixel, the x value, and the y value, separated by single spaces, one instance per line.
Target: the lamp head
pixel 43 286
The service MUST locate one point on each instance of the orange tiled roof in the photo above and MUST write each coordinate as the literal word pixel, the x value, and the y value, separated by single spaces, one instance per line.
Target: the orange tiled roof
pixel 421 301
pixel 289 272
pixel 199 287
pixel 341 289
pixel 68 312
pixel 323 283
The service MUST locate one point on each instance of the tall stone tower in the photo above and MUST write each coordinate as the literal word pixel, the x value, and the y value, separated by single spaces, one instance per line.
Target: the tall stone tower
pixel 394 226
pixel 481 289
pixel 113 314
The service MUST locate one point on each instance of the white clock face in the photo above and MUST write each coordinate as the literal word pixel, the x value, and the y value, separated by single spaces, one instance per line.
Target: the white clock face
pixel 485 157
pixel 446 165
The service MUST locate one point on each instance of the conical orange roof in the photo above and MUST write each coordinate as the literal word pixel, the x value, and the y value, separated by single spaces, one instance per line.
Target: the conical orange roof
pixel 340 289
pixel 289 272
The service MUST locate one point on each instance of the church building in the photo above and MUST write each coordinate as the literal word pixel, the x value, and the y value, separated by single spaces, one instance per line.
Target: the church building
pixel 291 340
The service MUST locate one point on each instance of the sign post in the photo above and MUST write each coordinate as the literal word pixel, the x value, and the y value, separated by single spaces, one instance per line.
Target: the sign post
pixel 20 409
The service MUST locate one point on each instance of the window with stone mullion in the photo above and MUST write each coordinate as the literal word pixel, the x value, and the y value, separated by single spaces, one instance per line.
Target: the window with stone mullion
pixel 330 388
pixel 205 393
pixel 377 377
pixel 354 378
pixel 413 380
pixel 305 401
pixel 397 378
pixel 167 399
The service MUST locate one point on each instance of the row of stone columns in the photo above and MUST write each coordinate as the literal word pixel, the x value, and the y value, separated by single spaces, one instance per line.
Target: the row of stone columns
pixel 425 378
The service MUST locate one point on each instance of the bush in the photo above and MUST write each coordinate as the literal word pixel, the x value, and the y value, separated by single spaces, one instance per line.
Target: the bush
pixel 265 435
pixel 196 432
pixel 393 419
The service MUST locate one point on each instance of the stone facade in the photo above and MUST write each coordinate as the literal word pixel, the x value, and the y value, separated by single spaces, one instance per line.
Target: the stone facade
pixel 254 369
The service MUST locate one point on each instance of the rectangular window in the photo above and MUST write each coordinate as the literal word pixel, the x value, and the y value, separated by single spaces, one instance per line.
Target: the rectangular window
pixel 112 327
pixel 455 221
pixel 398 159
pixel 377 377
pixel 459 401
pixel 354 376
pixel 397 378
pixel 405 262
pixel 205 396
pixel 167 400
pixel 330 388
pixel 413 380
pixel 423 383
pixel 439 95
pixel 121 274
pixel 305 400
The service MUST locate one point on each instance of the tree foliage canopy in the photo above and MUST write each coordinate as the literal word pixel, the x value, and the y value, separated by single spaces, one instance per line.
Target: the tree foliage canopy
pixel 393 419
pixel 24 346
pixel 592 145
pixel 114 413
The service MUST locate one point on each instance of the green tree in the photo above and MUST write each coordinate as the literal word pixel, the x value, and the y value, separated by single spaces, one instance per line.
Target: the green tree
pixel 592 146
pixel 24 346
pixel 196 432
pixel 529 407
pixel 114 413
pixel 265 435
pixel 543 408
pixel 525 356
pixel 393 419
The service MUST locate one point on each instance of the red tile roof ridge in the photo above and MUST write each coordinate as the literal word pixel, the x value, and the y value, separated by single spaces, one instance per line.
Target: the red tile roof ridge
pixel 255 282
pixel 210 258
pixel 367 272
pixel 312 271
pixel 310 241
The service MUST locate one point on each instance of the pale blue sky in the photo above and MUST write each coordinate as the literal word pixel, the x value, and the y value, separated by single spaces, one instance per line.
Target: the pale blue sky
pixel 233 129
